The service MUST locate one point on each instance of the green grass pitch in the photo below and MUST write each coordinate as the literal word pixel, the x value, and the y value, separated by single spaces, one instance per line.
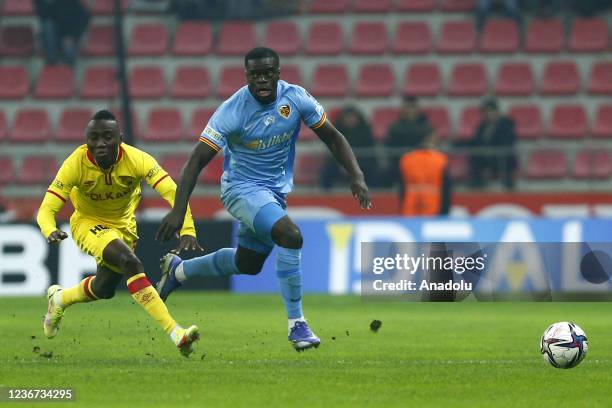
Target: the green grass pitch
pixel 444 354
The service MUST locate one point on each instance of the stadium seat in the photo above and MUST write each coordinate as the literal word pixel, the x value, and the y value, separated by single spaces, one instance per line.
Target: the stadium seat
pixel 31 125
pixel 469 121
pixel 232 79
pixel 457 5
pixel 283 37
pixel 72 124
pixel 324 38
pixel 37 170
pixel 55 82
pixel 412 37
pixel 568 121
pixel 330 80
pixel 329 6
pixel 439 119
pixel 514 79
pixel 100 41
pixel 307 169
pixel 122 125
pixel 602 129
pixel 291 73
pixel 16 41
pixel 468 80
pixel 589 35
pixel 3 127
pixel 544 36
pixel 600 78
pixel 382 119
pixel 420 6
pixel 100 82
pixel 375 80
pixel 6 170
pixel 14 82
pixel 197 123
pixel 499 36
pixel 236 38
pixel 528 121
pixel 592 164
pixel 369 6
pixel 147 82
pixel 164 125
pixel 191 82
pixel 458 166
pixel 560 78
pixel 457 37
pixel 213 171
pixel 369 38
pixel 17 8
pixel 106 7
pixel 173 164
pixel 422 79
pixel 546 165
pixel 148 39
pixel 193 38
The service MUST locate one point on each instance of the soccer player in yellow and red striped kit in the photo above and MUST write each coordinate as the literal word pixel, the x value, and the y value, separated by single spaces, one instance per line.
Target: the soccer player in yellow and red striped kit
pixel 102 179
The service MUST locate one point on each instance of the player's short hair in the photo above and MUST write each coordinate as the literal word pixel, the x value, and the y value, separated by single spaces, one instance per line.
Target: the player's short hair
pixel 261 52
pixel 103 114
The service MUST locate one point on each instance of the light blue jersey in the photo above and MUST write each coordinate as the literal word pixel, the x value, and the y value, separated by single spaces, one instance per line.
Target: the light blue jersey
pixel 259 140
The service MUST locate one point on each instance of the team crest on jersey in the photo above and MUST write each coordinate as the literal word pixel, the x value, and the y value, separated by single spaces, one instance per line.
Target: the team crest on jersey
pixel 285 111
pixel 88 183
pixel 126 180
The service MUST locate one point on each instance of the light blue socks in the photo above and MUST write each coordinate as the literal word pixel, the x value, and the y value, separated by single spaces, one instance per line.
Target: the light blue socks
pixel 289 274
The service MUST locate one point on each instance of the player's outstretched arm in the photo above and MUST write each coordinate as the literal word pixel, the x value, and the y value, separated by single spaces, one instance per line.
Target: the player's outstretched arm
pixel 340 148
pixel 45 218
pixel 173 221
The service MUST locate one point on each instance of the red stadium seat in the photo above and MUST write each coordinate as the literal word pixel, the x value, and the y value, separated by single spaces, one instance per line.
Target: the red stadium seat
pixel 514 79
pixel 415 5
pixel 193 38
pixel 16 41
pixel 545 36
pixel 422 79
pixel 369 6
pixel 283 37
pixel 37 170
pixel 469 121
pixel 324 38
pixel 457 37
pixel 369 38
pixel 589 35
pixel 148 39
pixel 55 82
pixel 382 119
pixel 213 171
pixel 468 80
pixel 291 73
pixel 191 82
pixel 6 170
pixel 232 79
pixel 412 37
pixel 439 119
pixel 458 5
pixel 499 36
pixel 17 8
pixel 122 125
pixel 330 80
pixel 236 38
pixel 72 124
pixel 458 166
pixel 568 122
pixel 329 6
pixel 546 164
pixel 3 127
pixel 602 129
pixel 560 78
pixel 106 7
pixel 100 82
pixel 197 123
pixel 164 125
pixel 528 120
pixel 600 78
pixel 592 164
pixel 31 125
pixel 173 164
pixel 307 169
pixel 14 82
pixel 147 82
pixel 100 41
pixel 375 80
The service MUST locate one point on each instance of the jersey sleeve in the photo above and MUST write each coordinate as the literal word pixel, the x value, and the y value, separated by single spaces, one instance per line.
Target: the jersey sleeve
pixel 151 172
pixel 220 126
pixel 311 110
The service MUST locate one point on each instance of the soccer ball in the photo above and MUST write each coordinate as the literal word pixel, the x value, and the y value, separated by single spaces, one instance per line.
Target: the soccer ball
pixel 564 345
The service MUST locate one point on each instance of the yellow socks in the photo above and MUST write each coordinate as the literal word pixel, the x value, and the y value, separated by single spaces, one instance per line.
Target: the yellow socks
pixel 143 292
pixel 79 293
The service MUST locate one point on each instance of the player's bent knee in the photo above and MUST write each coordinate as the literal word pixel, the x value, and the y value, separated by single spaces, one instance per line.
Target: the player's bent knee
pixel 291 238
pixel 104 293
pixel 248 269
pixel 131 265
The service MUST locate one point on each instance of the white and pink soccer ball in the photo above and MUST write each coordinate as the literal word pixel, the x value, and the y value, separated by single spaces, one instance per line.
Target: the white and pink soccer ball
pixel 564 345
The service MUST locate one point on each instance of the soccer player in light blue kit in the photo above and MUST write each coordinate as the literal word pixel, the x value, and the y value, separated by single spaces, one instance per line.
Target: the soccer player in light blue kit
pixel 257 128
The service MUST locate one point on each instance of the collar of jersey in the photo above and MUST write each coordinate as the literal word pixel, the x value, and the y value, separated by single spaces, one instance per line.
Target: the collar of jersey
pixel 93 160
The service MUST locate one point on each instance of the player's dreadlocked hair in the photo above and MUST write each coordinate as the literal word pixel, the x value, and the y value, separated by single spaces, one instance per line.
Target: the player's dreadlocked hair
pixel 261 52
pixel 103 114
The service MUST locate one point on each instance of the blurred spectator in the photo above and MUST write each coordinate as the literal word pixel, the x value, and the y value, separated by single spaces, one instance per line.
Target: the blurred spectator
pixel 494 131
pixel 484 7
pixel 150 6
pixel 234 9
pixel 62 23
pixel 353 125
pixel 407 132
pixel 426 187
pixel 200 9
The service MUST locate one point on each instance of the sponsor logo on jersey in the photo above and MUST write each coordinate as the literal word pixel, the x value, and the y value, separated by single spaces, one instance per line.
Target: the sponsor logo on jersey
pixel 98 229
pixel 269 120
pixel 110 195
pixel 88 183
pixel 284 111
pixel 57 183
pixel 153 171
pixel 212 133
